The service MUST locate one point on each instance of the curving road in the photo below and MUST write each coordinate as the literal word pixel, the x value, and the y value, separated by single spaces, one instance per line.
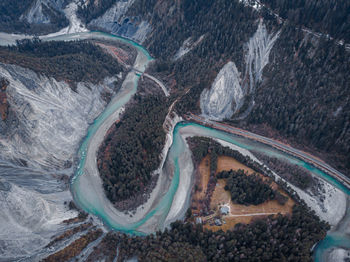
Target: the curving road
pixel 157 81
pixel 276 144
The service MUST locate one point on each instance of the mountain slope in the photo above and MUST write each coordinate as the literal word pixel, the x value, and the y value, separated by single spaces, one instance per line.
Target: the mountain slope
pixel 304 89
pixel 32 16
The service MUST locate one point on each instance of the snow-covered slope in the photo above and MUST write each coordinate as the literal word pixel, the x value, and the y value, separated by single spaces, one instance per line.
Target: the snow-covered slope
pixel 115 21
pixel 227 93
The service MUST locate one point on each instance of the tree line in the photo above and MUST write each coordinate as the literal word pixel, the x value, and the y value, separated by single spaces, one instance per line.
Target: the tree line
pixel 77 61
pixel 274 239
pixel 310 104
pixel 294 174
pixel 325 16
pixel 247 189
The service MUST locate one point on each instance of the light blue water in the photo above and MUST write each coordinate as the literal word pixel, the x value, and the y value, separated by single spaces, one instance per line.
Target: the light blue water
pixel 177 148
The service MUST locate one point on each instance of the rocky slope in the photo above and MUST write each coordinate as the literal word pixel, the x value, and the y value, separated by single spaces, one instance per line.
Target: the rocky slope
pixel 32 16
pixel 38 141
pixel 295 79
pixel 225 95
pixel 115 21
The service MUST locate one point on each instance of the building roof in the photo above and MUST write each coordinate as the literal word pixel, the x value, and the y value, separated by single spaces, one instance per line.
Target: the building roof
pixel 224 210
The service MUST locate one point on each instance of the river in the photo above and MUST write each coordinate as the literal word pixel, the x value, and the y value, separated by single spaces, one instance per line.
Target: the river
pixel 87 189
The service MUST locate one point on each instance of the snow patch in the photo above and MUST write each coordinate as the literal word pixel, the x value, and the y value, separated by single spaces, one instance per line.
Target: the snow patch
pixel 75 25
pixel 35 14
pixel 333 206
pixel 252 3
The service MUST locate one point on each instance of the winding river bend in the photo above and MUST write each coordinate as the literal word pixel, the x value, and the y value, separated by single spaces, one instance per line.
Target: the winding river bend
pixel 86 185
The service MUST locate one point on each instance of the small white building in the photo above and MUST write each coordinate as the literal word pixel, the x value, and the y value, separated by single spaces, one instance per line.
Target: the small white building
pixel 224 210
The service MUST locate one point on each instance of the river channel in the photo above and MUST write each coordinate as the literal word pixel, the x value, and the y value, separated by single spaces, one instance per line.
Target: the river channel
pixel 90 197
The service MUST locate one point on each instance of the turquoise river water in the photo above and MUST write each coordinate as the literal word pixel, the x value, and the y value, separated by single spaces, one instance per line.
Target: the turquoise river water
pixel 333 239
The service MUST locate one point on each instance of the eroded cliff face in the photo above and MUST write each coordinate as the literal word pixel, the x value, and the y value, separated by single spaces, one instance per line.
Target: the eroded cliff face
pixel 49 119
pixel 257 55
pixel 30 219
pixel 116 22
pixel 41 11
pixel 227 93
pixel 38 141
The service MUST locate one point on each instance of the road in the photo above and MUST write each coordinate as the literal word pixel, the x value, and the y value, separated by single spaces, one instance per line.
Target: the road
pixel 112 50
pixel 158 82
pixel 276 144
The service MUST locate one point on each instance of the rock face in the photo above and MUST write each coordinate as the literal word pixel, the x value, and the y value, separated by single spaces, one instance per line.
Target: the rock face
pixel 116 22
pixel 257 56
pixel 39 13
pixel 186 47
pixel 225 95
pixel 30 219
pixel 49 119
pixel 38 141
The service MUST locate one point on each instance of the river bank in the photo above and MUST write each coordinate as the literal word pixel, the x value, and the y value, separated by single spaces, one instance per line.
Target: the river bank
pixel 171 195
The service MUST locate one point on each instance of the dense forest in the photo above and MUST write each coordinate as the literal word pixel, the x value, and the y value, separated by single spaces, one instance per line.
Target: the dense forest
pixel 131 150
pixel 305 88
pixel 224 35
pixel 279 238
pixel 294 174
pixel 305 94
pixel 247 189
pixel 72 62
pixel 11 22
pixel 202 146
pixel 325 16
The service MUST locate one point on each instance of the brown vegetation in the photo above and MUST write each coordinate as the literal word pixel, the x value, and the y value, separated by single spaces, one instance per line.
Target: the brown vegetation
pixel 4 106
pixel 75 248
pixel 70 233
pixel 238 213
pixel 106 250
pixel 81 217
